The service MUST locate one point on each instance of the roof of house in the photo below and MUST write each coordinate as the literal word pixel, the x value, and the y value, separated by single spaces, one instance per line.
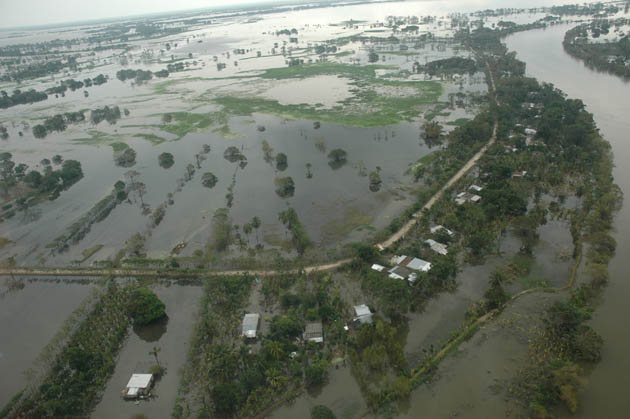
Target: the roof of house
pixel 362 310
pixel 139 381
pixel 412 263
pixel 437 247
pixel 378 267
pixel 399 272
pixel 250 324
pixel 439 227
pixel 314 331
pixel 475 188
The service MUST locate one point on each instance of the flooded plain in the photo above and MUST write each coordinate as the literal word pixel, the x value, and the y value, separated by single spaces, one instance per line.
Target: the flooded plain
pixel 335 204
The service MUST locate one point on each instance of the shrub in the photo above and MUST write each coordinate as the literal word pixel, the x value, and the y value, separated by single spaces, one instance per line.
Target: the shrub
pixel 146 307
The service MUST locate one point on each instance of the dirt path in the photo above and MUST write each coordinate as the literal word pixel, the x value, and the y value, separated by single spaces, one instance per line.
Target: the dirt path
pixel 405 229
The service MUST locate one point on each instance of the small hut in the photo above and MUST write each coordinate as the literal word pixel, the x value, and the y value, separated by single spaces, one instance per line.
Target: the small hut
pixel 138 386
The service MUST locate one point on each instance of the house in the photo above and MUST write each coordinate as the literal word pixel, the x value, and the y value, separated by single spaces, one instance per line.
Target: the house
pixel 412 263
pixel 400 272
pixel 475 188
pixel 314 332
pixel 377 267
pixel 464 197
pixel 519 174
pixel 439 227
pixel 363 314
pixel 138 386
pixel 250 325
pixel 530 132
pixel 437 247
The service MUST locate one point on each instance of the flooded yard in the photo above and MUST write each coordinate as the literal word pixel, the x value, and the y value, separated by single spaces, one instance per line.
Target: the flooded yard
pixel 171 338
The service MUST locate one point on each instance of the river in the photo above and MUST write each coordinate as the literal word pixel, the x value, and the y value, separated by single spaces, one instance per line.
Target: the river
pixel 606 96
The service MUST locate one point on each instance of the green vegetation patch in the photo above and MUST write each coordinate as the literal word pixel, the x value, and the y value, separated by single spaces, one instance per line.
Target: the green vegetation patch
pixel 146 307
pixel 4 242
pixel 154 139
pixel 458 122
pixel 376 101
pixel 352 218
pixel 89 252
pixel 119 146
pixel 97 138
pixel 187 122
pixel 324 69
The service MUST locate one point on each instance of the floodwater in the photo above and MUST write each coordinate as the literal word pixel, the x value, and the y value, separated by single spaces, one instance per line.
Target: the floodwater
pixel 171 337
pixel 341 394
pixel 29 318
pixel 329 199
pixel 606 96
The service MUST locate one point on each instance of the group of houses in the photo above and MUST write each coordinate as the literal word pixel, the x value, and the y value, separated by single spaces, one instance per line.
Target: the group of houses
pixel 469 195
pixel 313 332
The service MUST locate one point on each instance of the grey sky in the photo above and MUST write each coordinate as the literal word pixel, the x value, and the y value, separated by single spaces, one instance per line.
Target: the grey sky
pixel 42 12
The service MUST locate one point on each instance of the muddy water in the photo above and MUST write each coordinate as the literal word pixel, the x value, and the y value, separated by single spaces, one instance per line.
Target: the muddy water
pixel 172 338
pixel 472 381
pixel 29 318
pixel 606 96
pixel 342 395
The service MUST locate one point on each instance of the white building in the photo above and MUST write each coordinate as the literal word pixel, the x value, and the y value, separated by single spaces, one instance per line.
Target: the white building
pixel 437 247
pixel 439 227
pixel 464 197
pixel 363 314
pixel 378 268
pixel 250 325
pixel 412 263
pixel 138 386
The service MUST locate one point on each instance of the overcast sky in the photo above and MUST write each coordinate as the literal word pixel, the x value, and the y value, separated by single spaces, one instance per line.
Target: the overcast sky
pixel 42 12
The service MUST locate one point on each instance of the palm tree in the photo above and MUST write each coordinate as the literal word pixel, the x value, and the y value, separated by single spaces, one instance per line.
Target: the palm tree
pixel 256 225
pixel 155 351
pixel 247 229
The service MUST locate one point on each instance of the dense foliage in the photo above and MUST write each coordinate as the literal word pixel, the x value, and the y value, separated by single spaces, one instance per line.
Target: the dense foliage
pixel 145 307
pixel 83 367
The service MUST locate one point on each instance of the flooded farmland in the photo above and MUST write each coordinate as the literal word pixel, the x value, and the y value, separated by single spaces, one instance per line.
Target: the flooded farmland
pixel 320 114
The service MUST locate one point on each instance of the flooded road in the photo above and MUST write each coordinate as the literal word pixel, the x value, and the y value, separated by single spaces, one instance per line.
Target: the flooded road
pixel 606 96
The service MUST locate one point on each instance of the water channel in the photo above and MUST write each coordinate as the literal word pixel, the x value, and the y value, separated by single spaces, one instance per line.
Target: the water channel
pixel 606 96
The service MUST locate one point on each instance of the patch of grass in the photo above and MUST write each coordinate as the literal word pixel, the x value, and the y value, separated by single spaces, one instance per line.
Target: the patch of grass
pixel 187 122
pixel 119 146
pixel 154 139
pixel 352 218
pixel 323 69
pixel 89 252
pixel 458 122
pixel 4 242
pixel 436 111
pixel 4 413
pixel 365 109
pixel 97 138
pixel 404 53
pixel 276 239
pixel 343 53
pixel 163 86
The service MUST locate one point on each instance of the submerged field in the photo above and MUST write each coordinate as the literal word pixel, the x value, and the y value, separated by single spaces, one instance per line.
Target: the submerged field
pixel 277 144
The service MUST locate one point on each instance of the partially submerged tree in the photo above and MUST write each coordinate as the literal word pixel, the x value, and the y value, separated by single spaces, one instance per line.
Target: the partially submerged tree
pixel 145 307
